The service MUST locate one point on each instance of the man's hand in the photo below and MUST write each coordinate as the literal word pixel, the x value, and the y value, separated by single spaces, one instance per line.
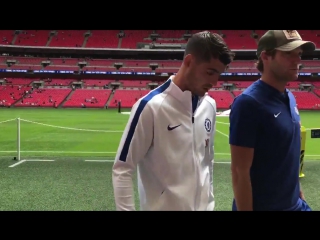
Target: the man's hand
pixel 301 193
pixel 302 196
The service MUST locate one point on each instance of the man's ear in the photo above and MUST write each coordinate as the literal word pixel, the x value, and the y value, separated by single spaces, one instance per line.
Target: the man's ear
pixel 263 55
pixel 187 60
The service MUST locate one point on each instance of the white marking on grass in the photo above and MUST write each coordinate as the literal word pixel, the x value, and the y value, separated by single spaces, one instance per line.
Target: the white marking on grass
pixel 229 153
pixel 8 120
pixel 59 152
pixel 111 161
pixel 222 133
pixel 99 160
pixel 226 162
pixel 317 161
pixel 222 123
pixel 226 123
pixel 103 152
pixel 76 152
pixel 40 160
pixel 21 161
pixel 70 128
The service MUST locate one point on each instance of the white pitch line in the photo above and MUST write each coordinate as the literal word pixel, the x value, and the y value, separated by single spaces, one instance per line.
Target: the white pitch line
pixel 317 161
pixel 226 154
pixel 222 133
pixel 39 160
pixel 21 161
pixel 225 123
pixel 222 123
pixel 99 160
pixel 77 152
pixel 229 153
pixel 59 152
pixel 31 160
pixel 111 161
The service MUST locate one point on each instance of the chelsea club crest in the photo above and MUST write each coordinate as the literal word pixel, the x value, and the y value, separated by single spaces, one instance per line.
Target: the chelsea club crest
pixel 207 125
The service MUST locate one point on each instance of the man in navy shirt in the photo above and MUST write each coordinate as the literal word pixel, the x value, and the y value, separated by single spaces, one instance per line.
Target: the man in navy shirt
pixel 265 130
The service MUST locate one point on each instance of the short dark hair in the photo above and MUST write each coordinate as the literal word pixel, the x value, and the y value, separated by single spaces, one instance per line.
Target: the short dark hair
pixel 259 63
pixel 206 45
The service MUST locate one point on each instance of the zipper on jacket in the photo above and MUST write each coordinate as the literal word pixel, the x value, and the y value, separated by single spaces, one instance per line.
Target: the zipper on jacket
pixel 195 100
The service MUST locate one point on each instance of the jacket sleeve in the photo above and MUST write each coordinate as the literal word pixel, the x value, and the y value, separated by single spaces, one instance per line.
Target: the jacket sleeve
pixel 211 203
pixel 135 143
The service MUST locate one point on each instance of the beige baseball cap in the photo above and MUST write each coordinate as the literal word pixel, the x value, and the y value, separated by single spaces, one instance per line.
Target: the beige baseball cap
pixel 283 40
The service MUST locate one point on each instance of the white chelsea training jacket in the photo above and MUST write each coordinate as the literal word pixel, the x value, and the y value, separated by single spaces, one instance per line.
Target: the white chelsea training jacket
pixel 172 146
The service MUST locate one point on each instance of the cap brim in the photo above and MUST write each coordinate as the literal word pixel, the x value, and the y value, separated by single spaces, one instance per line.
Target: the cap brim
pixel 305 46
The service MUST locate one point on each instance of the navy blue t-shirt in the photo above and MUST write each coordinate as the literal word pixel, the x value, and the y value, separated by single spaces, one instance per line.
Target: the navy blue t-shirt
pixel 268 121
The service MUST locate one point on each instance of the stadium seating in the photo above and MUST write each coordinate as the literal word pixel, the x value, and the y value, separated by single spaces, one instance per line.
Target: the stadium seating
pixel 307 100
pixel 236 92
pixel 58 82
pixel 317 92
pixel 68 38
pixel 11 94
pixel 33 38
pixel 94 95
pixel 241 84
pixel 47 97
pixel 128 65
pixel 103 39
pixel 19 81
pixel 96 83
pixel 58 92
pixel 134 83
pixel 6 36
pixel 316 84
pixel 223 98
pixel 240 39
pixel 127 97
pixel 89 98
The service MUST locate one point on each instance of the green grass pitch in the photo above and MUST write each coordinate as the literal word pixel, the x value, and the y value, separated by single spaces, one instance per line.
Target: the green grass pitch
pixel 68 138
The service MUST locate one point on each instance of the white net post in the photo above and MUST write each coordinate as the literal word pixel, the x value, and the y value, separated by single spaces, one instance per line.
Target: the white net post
pixel 18 139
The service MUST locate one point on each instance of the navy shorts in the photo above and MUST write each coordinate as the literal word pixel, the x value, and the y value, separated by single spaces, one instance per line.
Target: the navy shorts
pixel 305 207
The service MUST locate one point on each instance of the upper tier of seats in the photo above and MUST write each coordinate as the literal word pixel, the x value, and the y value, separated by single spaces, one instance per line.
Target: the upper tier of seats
pixel 236 39
pixel 128 65
pixel 101 83
pixel 95 94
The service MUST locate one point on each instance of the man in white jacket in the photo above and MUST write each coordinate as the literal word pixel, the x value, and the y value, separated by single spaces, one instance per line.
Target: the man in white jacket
pixel 169 137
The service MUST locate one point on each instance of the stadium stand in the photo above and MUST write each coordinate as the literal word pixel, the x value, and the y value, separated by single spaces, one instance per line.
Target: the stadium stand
pixel 10 94
pixel 100 94
pixel 94 93
pixel 88 98
pixel 240 39
pixel 127 97
pixel 128 65
pixel 46 97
